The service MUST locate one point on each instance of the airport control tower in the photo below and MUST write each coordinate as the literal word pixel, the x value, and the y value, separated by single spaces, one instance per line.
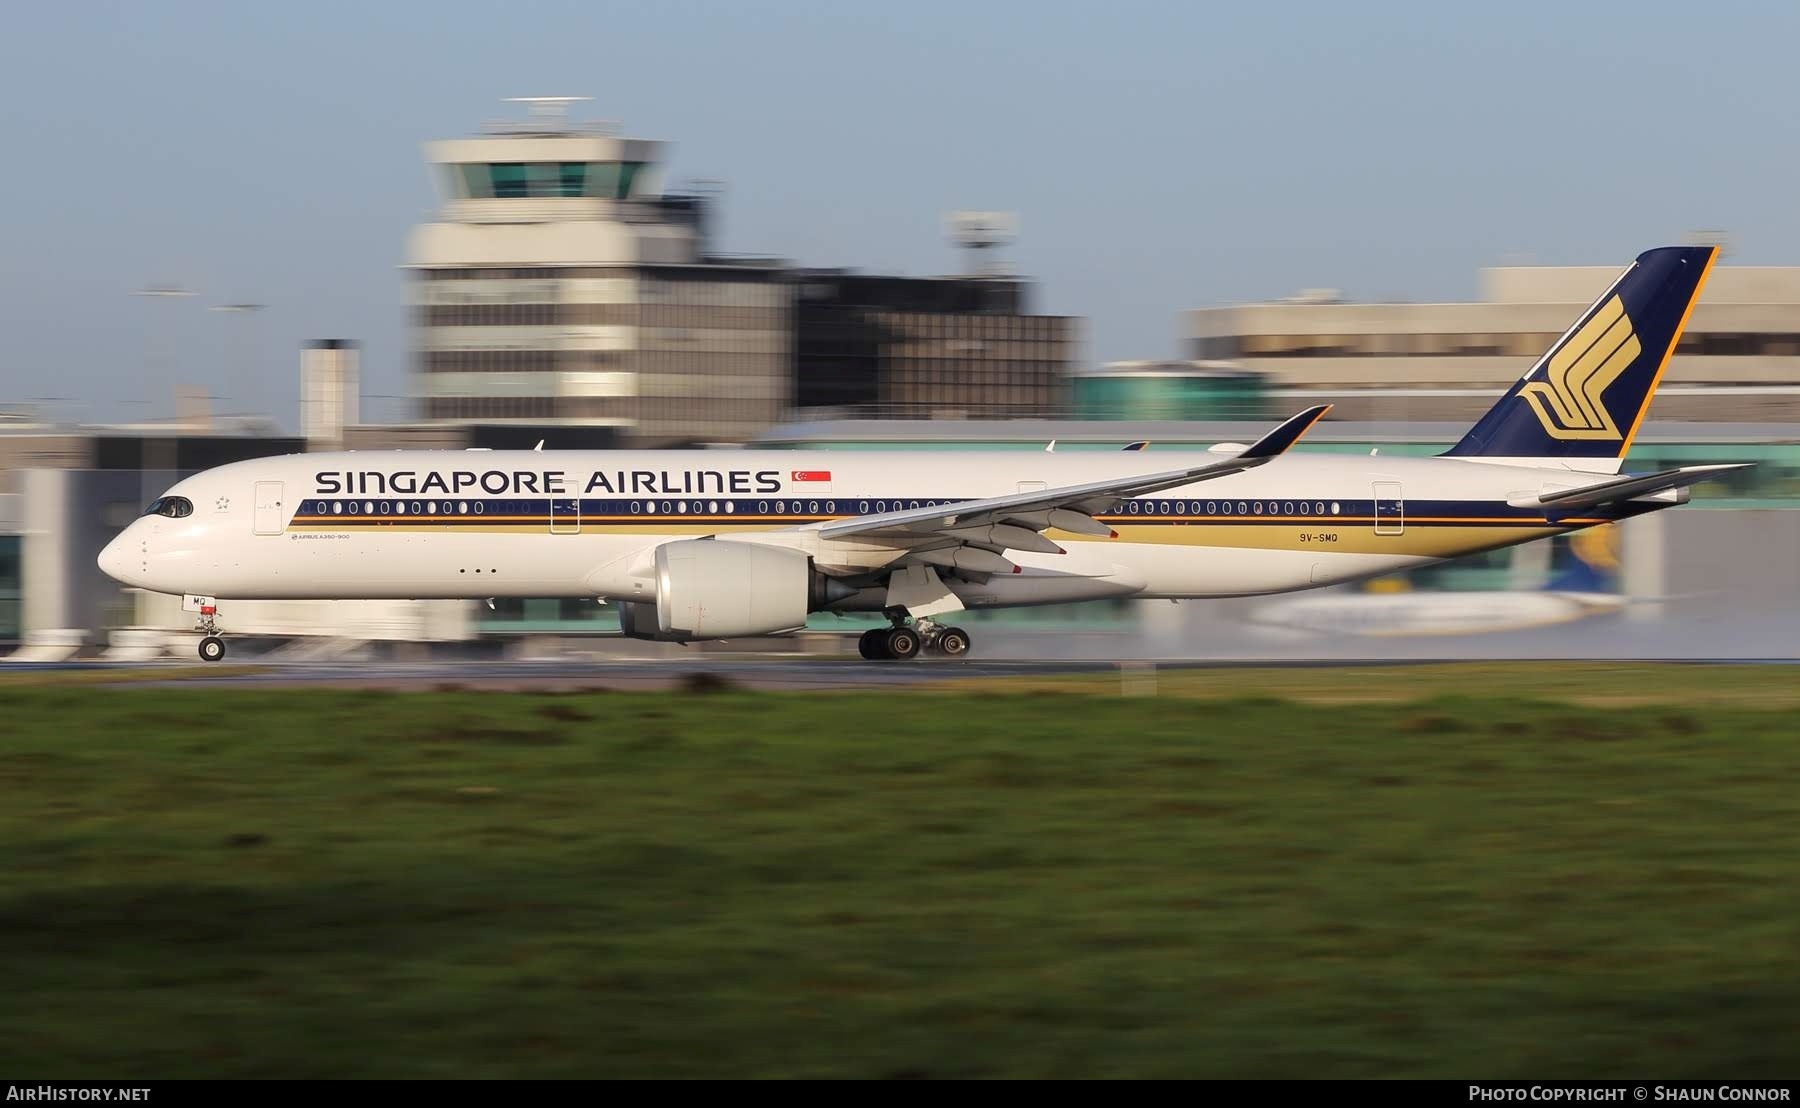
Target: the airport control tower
pixel 560 284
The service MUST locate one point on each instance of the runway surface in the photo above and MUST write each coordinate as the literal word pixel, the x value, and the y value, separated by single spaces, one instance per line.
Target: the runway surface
pixel 759 672
pixel 791 672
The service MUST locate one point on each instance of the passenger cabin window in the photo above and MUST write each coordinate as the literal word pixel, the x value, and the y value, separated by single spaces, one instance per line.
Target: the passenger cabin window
pixel 172 506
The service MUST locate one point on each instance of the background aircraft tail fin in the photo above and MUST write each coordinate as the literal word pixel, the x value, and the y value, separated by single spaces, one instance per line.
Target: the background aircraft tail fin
pixel 1581 404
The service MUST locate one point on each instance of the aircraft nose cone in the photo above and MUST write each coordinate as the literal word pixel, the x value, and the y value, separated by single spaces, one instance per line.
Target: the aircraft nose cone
pixel 115 560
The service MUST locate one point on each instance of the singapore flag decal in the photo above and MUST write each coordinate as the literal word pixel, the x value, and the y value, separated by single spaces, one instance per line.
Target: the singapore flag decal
pixel 812 475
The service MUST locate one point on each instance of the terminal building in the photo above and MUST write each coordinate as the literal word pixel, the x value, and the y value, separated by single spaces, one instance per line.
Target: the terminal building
pixel 927 348
pixel 1738 361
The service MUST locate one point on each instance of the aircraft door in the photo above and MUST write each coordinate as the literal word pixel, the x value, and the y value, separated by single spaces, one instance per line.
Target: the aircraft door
pixel 1390 508
pixel 270 518
pixel 565 516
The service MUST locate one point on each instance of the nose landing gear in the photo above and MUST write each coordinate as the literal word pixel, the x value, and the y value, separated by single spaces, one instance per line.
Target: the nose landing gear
pixel 212 647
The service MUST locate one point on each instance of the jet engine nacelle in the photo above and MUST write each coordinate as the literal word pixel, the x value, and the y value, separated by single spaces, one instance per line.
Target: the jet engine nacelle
pixel 718 589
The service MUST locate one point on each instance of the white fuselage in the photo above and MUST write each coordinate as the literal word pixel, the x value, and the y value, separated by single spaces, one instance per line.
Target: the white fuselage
pixel 478 524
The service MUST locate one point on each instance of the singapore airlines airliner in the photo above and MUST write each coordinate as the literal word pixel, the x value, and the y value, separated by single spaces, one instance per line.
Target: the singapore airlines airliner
pixel 706 545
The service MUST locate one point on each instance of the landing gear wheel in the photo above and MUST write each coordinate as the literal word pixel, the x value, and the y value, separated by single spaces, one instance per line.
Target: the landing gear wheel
pixel 873 644
pixel 953 642
pixel 212 648
pixel 902 643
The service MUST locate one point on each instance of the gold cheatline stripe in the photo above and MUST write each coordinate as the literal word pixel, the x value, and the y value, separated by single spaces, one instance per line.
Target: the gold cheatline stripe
pixel 757 521
pixel 1426 541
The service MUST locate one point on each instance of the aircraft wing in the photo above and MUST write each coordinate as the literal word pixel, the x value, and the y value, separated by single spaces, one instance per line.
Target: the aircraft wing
pixel 1625 488
pixel 1012 521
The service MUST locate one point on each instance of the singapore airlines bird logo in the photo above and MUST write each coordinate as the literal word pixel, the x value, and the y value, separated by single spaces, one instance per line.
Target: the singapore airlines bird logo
pixel 1567 401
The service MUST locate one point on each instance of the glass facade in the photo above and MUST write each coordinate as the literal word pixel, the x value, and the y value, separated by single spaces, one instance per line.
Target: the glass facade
pixel 1170 395
pixel 513 616
pixel 912 348
pixel 521 180
pixel 10 569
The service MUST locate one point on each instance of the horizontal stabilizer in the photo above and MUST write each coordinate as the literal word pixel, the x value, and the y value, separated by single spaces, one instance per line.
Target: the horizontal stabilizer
pixel 1625 488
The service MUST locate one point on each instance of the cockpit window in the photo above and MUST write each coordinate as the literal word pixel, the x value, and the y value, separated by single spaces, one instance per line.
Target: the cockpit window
pixel 172 506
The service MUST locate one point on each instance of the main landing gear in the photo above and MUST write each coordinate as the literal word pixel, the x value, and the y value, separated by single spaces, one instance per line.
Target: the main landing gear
pixel 901 643
pixel 212 647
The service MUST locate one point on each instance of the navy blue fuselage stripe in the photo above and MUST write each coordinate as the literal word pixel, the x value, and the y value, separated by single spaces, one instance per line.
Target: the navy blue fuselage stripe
pixel 763 510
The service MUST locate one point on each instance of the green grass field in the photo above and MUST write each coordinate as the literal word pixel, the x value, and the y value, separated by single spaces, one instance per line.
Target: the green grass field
pixel 991 883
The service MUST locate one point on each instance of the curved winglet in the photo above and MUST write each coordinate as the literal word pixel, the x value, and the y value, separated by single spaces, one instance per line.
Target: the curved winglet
pixel 1281 438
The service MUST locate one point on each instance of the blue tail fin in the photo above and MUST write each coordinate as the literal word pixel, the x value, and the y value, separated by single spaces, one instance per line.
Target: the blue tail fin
pixel 1583 401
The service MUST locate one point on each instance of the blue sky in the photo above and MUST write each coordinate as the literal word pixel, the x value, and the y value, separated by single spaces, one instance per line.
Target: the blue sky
pixel 1161 156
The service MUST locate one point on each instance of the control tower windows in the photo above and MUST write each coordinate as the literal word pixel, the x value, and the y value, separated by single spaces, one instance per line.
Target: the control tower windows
pixel 472 182
pixel 510 180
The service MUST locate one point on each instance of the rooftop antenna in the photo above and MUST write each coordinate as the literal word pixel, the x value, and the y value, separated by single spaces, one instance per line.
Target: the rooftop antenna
pixel 549 115
pixel 981 231
pixel 552 106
